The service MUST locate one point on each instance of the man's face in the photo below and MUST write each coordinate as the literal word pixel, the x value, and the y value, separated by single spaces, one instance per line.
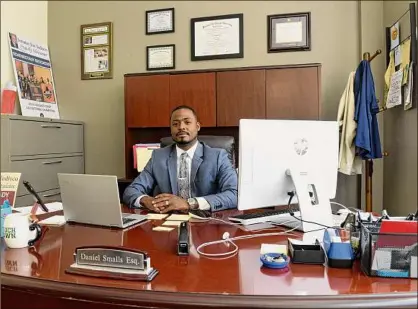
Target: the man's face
pixel 14 40
pixel 184 126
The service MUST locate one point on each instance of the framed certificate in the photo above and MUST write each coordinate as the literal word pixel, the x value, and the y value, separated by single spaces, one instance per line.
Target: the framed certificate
pixel 289 32
pixel 161 57
pixel 217 37
pixel 159 21
pixel 96 51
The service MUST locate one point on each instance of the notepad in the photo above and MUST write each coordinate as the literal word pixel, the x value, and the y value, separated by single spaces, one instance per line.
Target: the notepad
pixel 172 223
pixel 53 221
pixel 175 217
pixel 272 248
pixel 163 229
pixel 156 216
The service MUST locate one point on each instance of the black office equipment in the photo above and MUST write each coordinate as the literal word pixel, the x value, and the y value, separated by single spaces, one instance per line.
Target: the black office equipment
pixel 183 240
pixel 32 191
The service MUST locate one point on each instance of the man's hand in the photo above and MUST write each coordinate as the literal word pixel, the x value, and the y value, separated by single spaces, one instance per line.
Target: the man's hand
pixel 148 202
pixel 168 202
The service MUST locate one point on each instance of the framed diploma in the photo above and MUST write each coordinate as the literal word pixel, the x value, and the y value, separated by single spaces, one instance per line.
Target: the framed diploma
pixel 161 57
pixel 217 37
pixel 159 21
pixel 289 32
pixel 96 51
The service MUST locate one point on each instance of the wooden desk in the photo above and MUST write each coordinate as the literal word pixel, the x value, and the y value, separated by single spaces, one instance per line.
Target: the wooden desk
pixel 37 279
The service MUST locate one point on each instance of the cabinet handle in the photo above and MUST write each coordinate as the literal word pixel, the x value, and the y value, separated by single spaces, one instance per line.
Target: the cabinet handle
pixel 48 126
pixel 49 195
pixel 52 162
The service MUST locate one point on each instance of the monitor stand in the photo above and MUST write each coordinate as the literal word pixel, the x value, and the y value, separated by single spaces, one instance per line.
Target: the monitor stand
pixel 314 205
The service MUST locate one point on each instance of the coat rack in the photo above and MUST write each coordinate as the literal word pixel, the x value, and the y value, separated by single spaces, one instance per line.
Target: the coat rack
pixel 369 162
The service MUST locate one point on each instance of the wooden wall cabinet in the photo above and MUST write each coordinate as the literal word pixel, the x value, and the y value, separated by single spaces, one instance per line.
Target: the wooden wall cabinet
pixel 198 91
pixel 240 95
pixel 221 97
pixel 293 93
pixel 147 101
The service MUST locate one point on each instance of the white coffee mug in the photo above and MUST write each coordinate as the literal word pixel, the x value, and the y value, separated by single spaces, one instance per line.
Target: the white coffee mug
pixel 19 231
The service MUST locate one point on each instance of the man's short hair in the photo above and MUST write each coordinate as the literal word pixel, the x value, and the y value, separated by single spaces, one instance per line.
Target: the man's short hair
pixel 184 107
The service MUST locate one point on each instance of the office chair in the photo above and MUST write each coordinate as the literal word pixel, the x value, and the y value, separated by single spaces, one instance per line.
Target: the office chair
pixel 214 141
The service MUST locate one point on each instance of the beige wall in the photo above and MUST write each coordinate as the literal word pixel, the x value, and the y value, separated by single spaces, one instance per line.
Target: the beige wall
pixel 337 43
pixel 28 19
pixel 400 139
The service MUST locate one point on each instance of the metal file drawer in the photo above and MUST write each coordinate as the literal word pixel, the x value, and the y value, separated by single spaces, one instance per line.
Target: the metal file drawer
pixel 42 173
pixel 44 137
pixel 48 196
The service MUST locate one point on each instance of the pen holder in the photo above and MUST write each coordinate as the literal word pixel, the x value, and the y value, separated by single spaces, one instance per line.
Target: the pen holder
pixel 4 212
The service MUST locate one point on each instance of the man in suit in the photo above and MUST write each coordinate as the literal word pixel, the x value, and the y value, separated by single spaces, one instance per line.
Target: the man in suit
pixel 186 175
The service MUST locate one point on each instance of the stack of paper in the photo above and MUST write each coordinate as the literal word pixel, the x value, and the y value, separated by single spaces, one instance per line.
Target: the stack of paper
pixel 142 154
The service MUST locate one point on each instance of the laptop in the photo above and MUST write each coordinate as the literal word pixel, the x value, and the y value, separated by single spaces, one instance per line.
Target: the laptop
pixel 94 199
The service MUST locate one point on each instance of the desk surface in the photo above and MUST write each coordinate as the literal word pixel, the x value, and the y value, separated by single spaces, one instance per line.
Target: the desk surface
pixel 194 281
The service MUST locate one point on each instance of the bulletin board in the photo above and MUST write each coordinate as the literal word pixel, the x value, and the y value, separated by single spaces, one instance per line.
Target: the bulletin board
pixel 96 51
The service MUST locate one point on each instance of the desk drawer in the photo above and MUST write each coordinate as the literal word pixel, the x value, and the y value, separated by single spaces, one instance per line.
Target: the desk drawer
pixel 48 196
pixel 42 137
pixel 42 173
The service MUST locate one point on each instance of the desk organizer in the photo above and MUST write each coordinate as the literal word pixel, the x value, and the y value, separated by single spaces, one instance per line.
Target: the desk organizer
pixel 392 255
pixel 306 253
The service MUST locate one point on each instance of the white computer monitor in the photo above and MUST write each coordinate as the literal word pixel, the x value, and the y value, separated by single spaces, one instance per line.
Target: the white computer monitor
pixel 279 156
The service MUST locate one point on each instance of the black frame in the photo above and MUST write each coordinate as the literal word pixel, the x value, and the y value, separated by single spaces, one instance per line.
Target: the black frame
pixel 240 54
pixel 159 32
pixel 286 47
pixel 161 68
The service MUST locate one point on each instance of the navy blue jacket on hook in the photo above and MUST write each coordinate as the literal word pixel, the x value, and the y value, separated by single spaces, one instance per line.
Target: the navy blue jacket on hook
pixel 367 138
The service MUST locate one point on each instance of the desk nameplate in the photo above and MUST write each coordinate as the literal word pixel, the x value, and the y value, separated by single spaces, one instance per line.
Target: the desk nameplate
pixel 112 263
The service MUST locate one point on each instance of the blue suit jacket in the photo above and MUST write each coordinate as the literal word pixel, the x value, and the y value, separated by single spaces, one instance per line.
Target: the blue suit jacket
pixel 212 177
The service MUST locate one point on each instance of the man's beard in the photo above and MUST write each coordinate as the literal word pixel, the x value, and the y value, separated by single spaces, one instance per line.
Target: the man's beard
pixel 183 142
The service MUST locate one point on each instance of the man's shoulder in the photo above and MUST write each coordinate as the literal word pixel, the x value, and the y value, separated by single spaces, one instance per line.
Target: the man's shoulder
pixel 210 151
pixel 163 151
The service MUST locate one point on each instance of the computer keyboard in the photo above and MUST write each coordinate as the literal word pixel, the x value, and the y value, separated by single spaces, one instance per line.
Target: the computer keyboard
pixel 127 220
pixel 279 217
pixel 266 216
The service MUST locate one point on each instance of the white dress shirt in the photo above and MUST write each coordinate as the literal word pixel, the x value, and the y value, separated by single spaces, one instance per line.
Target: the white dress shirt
pixel 203 204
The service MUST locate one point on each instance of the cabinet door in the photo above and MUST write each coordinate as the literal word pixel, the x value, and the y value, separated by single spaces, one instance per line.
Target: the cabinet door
pixel 240 94
pixel 293 93
pixel 196 90
pixel 146 101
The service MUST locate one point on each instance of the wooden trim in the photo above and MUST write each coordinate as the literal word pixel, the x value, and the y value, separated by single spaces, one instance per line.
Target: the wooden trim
pixel 229 69
pixel 159 299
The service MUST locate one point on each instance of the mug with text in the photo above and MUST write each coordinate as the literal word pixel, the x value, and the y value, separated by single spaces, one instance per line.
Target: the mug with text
pixel 20 232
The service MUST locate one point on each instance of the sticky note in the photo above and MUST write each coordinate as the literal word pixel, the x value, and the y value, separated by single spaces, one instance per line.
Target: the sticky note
pixel 179 217
pixel 156 216
pixel 172 223
pixel 163 229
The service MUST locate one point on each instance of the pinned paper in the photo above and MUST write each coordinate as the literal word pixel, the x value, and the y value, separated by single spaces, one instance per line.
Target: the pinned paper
pixel 398 55
pixel 395 94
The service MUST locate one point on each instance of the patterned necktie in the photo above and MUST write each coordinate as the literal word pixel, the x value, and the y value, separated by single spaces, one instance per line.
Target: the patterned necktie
pixel 183 177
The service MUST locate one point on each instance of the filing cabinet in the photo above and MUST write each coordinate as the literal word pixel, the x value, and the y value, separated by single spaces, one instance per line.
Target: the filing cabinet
pixel 39 148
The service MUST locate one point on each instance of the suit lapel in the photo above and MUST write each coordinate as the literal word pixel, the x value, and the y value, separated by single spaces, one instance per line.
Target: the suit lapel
pixel 172 170
pixel 197 160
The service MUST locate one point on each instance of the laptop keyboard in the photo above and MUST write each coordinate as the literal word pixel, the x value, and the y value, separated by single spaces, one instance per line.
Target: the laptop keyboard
pixel 127 220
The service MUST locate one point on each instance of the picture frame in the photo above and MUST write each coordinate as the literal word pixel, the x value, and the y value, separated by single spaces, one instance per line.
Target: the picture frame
pixel 217 37
pixel 96 43
pixel 161 57
pixel 159 21
pixel 289 32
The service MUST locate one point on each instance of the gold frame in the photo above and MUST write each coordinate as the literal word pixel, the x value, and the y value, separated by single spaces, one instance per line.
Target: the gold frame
pixel 98 29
